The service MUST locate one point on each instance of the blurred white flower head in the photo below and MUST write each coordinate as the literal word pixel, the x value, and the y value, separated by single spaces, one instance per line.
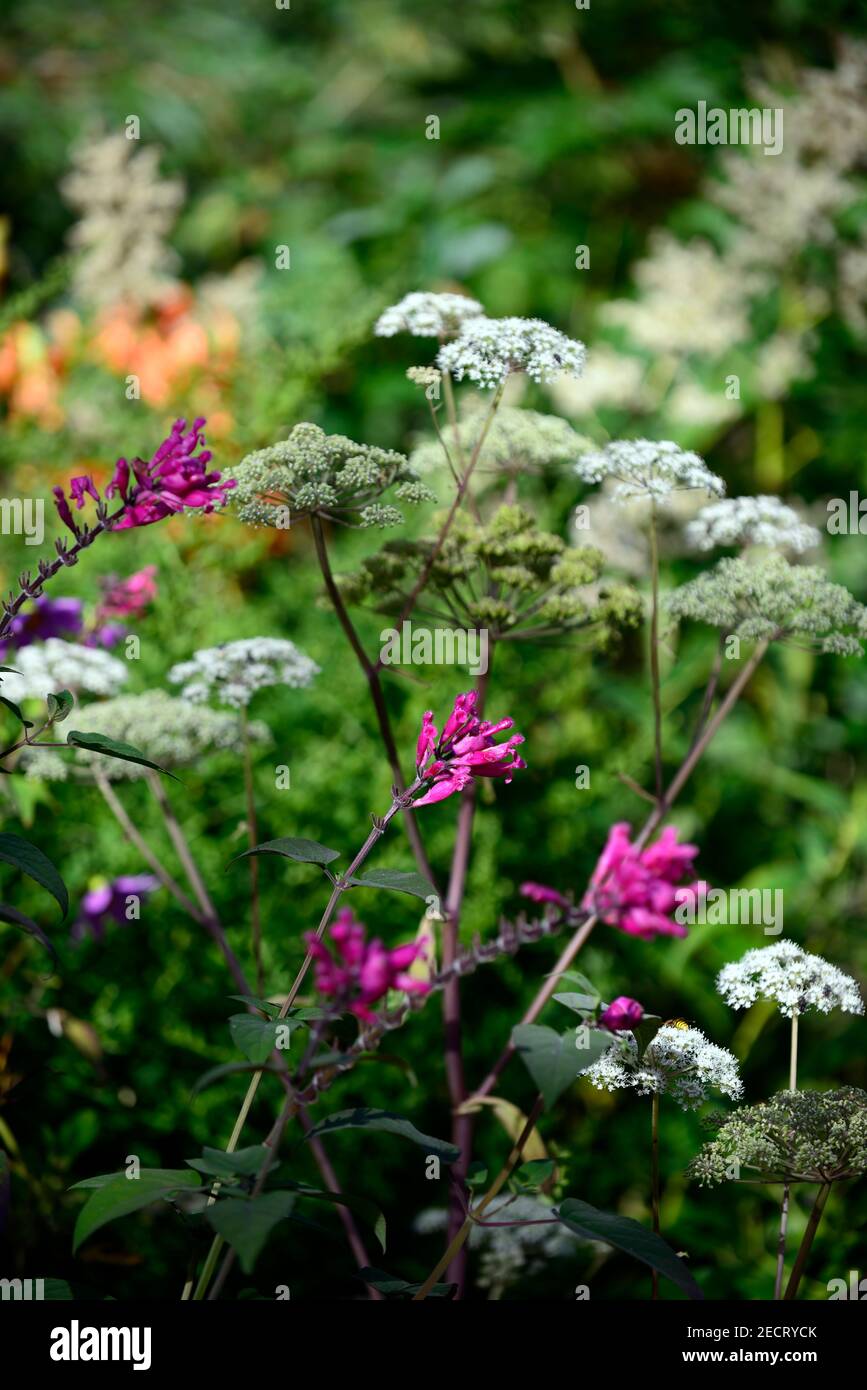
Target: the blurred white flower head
pixel 751 521
pixel 54 665
pixel 231 674
pixel 651 468
pixel 427 315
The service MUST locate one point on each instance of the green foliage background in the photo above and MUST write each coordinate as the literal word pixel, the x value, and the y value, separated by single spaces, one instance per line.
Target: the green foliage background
pixel 306 127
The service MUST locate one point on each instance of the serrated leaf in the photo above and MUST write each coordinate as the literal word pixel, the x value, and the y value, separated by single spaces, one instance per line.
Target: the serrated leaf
pixel 117 1195
pixel 398 880
pixel 386 1121
pixel 246 1224
pixel 113 748
pixel 627 1235
pixel 290 847
pixel 31 861
pixel 18 919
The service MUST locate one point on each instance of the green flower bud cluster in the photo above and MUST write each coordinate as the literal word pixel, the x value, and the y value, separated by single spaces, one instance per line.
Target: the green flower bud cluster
pixel 796 1136
pixel 506 575
pixel 767 598
pixel 313 473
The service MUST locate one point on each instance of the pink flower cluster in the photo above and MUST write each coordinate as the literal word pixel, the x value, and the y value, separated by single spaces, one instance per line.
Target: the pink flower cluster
pixel 636 890
pixel 176 477
pixel 465 749
pixel 360 972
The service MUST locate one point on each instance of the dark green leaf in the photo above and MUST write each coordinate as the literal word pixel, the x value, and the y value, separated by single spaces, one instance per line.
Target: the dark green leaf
pixel 246 1224
pixel 113 748
pixel 11 705
pixel 60 706
pixel 578 1003
pixel 553 1059
pixel 388 1284
pixel 385 1120
pixel 399 880
pixel 31 861
pixel 17 919
pixel 219 1164
pixel 117 1195
pixel 627 1235
pixel 304 851
pixel 257 1037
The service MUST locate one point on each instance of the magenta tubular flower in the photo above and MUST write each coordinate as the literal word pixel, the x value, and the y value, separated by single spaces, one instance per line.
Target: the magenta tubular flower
pixel 637 890
pixel 176 477
pixel 465 749
pixel 541 893
pixel 360 972
pixel 622 1015
pixel 150 489
pixel 49 617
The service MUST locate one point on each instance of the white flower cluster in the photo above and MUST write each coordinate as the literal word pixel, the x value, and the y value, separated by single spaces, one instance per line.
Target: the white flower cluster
pixel 427 315
pixel 680 1062
pixel 126 212
pixel 751 521
pixel 509 1252
pixel 46 667
pixel 170 732
pixel 792 977
pixel 690 300
pixel 489 350
pixel 766 598
pixel 232 673
pixel 653 468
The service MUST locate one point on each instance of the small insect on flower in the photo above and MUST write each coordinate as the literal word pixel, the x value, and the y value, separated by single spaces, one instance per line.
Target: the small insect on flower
pixel 676 1023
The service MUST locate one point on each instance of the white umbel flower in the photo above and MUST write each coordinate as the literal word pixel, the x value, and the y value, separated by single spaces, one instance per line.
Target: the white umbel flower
pixel 489 350
pixel 231 674
pixel 751 521
pixel 653 468
pixel 46 667
pixel 427 315
pixel 680 1062
pixel 793 978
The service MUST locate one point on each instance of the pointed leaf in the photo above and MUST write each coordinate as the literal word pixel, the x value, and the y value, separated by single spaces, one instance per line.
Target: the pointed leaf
pixel 553 1059
pixel 389 1284
pixel 387 1121
pixel 303 851
pixel 257 1037
pixel 627 1235
pixel 242 1163
pixel 228 1069
pixel 113 748
pixel 117 1195
pixel 18 919
pixel 11 705
pixel 400 880
pixel 60 706
pixel 31 861
pixel 246 1224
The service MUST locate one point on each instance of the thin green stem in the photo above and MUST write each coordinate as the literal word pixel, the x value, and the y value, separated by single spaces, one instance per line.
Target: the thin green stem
pixel 252 840
pixel 784 1204
pixel 654 651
